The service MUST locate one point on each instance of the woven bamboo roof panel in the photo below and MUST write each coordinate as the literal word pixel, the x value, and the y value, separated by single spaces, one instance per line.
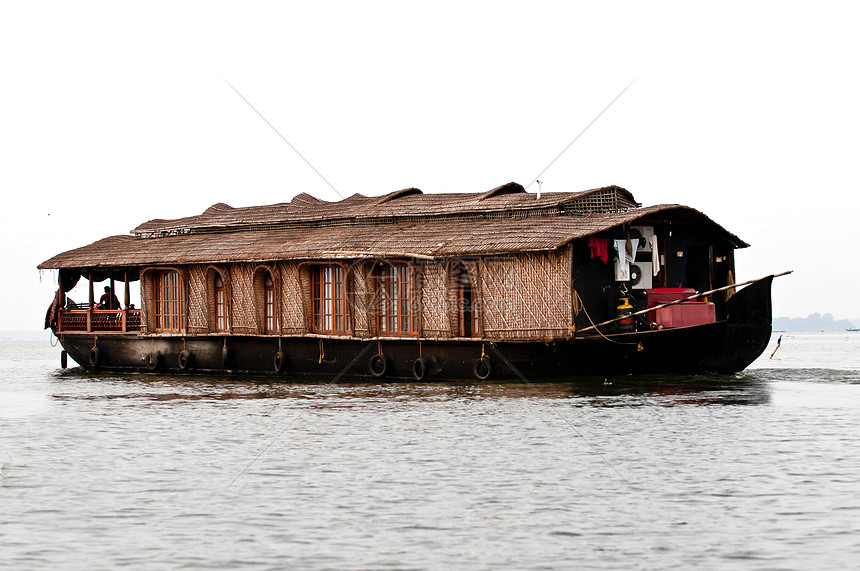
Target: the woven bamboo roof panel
pixel 430 238
pixel 410 202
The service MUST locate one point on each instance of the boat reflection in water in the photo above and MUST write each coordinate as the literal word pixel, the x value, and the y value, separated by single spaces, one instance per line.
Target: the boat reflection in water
pixel 621 391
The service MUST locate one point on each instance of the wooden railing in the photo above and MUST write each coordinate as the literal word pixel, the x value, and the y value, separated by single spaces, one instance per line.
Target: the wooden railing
pixel 116 320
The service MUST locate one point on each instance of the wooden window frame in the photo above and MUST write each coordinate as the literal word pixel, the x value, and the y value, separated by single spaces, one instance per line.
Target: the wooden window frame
pixel 168 301
pixel 329 300
pixel 396 301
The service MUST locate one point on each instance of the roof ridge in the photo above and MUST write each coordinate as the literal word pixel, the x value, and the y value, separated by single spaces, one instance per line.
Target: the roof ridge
pixel 507 188
pixel 398 194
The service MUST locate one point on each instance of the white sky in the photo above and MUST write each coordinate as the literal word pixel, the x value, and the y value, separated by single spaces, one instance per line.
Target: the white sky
pixel 114 114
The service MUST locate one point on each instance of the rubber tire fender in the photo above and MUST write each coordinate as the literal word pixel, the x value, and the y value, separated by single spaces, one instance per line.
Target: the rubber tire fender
pixel 153 360
pixel 279 361
pixel 94 357
pixel 184 360
pixel 482 368
pixel 378 365
pixel 419 369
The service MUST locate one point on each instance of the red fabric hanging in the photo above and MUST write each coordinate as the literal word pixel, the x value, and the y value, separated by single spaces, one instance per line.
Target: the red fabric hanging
pixel 599 249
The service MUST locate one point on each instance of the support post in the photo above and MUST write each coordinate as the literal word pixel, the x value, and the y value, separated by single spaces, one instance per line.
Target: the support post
pixel 126 300
pixel 90 304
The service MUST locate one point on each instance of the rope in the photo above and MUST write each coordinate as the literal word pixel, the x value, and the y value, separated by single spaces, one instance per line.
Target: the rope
pixel 322 352
pixel 582 305
pixel 577 305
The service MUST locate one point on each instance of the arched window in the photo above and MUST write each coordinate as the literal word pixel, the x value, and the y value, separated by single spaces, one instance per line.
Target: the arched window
pixel 270 316
pixel 222 317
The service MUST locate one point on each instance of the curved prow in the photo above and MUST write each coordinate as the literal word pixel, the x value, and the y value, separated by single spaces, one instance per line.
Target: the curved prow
pixel 752 305
pixel 748 330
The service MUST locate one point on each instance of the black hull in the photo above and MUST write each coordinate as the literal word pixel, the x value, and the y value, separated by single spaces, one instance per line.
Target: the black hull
pixel 724 347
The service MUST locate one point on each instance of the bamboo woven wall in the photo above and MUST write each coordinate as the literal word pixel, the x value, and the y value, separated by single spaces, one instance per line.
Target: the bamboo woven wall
pixel 145 302
pixel 434 301
pixel 291 309
pixel 242 308
pixel 198 307
pixel 360 300
pixel 527 296
pixel 522 296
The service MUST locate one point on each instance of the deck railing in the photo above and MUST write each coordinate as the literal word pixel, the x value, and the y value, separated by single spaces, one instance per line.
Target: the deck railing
pixel 116 320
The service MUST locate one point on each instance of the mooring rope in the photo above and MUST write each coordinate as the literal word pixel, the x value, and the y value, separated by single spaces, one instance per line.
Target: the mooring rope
pixel 582 305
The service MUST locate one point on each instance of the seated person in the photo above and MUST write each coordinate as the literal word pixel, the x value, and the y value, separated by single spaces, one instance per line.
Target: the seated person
pixel 108 300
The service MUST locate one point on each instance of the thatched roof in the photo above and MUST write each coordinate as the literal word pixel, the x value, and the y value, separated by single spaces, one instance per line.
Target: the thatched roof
pixel 403 224
pixel 509 200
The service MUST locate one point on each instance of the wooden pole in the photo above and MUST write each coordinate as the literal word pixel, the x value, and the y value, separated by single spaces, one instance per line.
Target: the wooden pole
pixel 677 301
pixel 90 304
pixel 125 300
pixel 778 341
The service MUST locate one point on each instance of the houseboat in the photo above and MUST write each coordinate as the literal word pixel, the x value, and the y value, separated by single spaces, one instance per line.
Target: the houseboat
pixel 502 284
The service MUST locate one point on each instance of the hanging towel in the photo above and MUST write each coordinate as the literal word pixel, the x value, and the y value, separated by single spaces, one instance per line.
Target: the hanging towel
pixel 655 255
pixel 626 254
pixel 622 269
pixel 599 249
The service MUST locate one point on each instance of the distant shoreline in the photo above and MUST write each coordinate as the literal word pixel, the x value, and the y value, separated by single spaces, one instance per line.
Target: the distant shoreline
pixel 816 322
pixel 25 335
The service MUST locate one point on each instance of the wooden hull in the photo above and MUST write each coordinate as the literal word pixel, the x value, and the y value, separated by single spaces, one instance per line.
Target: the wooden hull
pixel 724 347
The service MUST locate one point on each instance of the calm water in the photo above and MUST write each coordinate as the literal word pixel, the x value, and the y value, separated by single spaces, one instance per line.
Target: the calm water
pixel 759 470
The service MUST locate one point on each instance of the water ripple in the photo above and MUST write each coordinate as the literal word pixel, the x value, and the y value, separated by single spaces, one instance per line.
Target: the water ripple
pixel 760 469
